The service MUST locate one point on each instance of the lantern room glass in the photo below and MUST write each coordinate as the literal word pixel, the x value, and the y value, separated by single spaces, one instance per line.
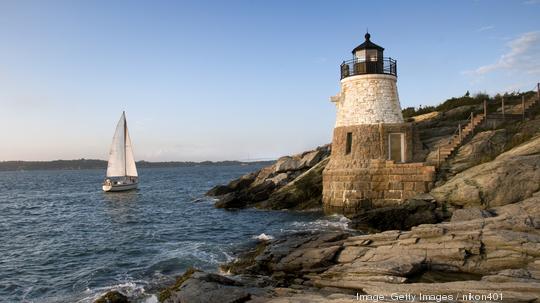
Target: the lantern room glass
pixel 367 55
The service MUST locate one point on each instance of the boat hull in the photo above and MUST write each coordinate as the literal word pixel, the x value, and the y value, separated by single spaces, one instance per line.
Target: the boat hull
pixel 119 187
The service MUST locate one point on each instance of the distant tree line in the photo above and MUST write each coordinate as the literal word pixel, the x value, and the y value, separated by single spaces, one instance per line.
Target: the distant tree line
pixel 101 164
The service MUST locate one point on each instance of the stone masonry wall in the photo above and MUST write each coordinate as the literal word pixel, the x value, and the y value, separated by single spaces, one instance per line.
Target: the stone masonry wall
pixel 350 186
pixel 368 99
pixel 371 141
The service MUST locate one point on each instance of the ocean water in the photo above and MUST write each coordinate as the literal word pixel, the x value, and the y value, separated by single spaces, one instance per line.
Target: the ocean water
pixel 63 240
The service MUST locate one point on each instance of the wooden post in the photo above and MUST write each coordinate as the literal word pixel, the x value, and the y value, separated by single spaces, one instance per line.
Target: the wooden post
pixel 460 135
pixel 472 123
pixel 523 106
pixel 439 156
pixel 485 112
pixel 503 107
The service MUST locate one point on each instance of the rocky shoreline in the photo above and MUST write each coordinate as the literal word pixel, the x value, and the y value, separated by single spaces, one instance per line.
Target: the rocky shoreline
pixel 292 182
pixel 490 250
pixel 475 237
pixel 477 252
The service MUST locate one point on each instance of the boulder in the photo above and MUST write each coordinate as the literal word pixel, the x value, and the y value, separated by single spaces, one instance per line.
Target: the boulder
pixel 219 190
pixel 305 192
pixel 511 177
pixel 279 179
pixel 261 192
pixel 230 200
pixel 311 158
pixel 241 199
pixel 264 174
pixel 235 185
pixel 263 188
pixel 202 287
pixel 287 163
pixel 113 297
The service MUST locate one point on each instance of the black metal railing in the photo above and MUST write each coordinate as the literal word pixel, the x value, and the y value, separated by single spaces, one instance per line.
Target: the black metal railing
pixel 355 67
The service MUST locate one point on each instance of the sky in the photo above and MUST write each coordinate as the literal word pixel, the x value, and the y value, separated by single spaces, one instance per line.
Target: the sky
pixel 235 80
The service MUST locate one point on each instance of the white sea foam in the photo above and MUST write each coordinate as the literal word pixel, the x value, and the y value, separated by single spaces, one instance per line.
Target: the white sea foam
pixel 263 237
pixel 332 222
pixel 202 251
pixel 132 289
pixel 151 299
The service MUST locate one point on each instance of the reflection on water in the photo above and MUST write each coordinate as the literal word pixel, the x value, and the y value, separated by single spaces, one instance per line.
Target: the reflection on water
pixel 122 207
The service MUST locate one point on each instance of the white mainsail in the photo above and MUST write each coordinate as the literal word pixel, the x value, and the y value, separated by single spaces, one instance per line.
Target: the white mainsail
pixel 121 160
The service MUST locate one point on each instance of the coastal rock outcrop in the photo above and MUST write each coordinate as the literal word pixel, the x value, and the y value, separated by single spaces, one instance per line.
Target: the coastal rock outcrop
pixel 202 287
pixel 512 176
pixel 292 182
pixel 474 235
pixel 474 255
pixel 483 147
pixel 422 209
pixel 113 297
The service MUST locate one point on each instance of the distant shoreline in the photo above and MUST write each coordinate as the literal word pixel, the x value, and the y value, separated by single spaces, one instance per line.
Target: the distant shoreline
pixel 102 164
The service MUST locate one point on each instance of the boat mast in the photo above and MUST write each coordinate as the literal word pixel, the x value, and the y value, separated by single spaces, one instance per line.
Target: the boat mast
pixel 125 141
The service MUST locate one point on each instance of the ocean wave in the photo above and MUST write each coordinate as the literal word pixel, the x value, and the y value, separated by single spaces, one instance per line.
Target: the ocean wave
pixel 263 237
pixel 195 251
pixel 132 289
pixel 338 222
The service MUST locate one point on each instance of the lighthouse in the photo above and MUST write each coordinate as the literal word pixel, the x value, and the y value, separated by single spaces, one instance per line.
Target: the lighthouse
pixel 368 88
pixel 376 158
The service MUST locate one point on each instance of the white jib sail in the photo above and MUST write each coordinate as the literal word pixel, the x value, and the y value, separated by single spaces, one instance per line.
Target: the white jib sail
pixel 131 169
pixel 117 155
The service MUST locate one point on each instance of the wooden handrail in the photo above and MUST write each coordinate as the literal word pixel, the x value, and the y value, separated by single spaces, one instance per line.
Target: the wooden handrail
pixel 470 122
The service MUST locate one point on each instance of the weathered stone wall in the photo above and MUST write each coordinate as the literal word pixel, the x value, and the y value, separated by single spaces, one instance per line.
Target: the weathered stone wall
pixel 368 99
pixel 350 186
pixel 371 142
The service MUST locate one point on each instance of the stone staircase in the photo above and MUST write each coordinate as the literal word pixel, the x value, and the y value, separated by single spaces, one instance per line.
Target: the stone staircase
pixel 446 149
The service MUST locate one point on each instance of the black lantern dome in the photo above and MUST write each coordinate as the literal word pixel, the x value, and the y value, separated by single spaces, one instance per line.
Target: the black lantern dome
pixel 368 59
pixel 367 45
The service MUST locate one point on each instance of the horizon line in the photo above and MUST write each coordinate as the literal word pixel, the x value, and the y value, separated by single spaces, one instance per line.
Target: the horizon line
pixel 171 161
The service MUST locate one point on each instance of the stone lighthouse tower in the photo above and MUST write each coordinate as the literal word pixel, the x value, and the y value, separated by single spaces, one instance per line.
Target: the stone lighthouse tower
pixel 373 149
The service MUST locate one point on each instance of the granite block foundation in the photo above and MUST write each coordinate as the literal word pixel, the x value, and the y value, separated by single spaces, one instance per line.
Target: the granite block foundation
pixel 350 187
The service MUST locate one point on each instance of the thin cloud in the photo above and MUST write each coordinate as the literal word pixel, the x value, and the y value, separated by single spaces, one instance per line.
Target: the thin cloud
pixel 531 2
pixel 523 56
pixel 485 28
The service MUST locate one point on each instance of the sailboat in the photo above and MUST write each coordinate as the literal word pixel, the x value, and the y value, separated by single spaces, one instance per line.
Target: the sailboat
pixel 121 170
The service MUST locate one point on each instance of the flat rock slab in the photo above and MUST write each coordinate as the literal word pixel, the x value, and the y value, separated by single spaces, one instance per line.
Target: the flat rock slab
pixel 204 287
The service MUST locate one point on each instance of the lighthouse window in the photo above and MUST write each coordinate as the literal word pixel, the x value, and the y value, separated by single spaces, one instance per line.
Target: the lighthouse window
pixel 348 145
pixel 371 55
pixel 360 56
pixel 396 148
